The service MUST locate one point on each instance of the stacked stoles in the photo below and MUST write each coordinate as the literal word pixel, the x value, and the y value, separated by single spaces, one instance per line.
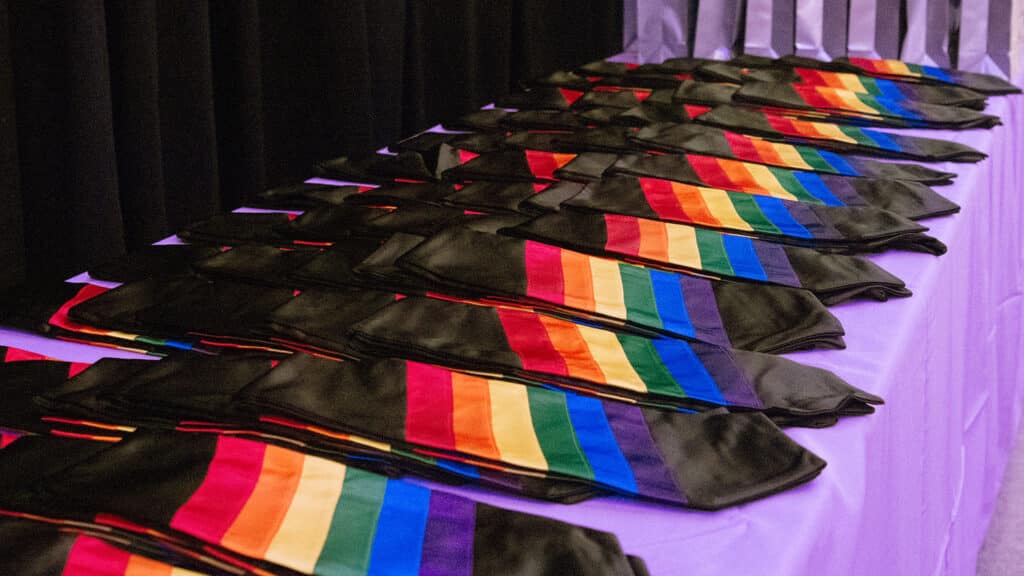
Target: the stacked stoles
pixel 581 293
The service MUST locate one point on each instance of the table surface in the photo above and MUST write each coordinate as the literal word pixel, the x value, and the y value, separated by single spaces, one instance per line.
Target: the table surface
pixel 907 490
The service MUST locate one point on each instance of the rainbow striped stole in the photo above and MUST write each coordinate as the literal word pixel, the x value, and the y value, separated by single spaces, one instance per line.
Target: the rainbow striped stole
pixel 857 83
pixel 664 367
pixel 536 428
pixel 91 556
pixel 787 155
pixel 840 99
pixel 900 69
pixel 320 517
pixel 666 301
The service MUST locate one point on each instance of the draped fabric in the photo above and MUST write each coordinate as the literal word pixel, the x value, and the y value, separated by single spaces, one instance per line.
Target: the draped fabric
pixel 122 122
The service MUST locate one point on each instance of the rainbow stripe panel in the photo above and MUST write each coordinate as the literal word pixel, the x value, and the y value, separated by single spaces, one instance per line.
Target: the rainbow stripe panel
pixel 699 249
pixel 828 98
pixel 544 164
pixel 662 366
pixel 715 208
pixel 762 180
pixel 852 82
pixel 662 300
pixel 901 69
pixel 91 556
pixel 320 517
pixel 787 155
pixel 536 428
pixel 832 132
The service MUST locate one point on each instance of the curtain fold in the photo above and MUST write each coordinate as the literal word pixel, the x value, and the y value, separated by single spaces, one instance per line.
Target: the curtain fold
pixel 124 121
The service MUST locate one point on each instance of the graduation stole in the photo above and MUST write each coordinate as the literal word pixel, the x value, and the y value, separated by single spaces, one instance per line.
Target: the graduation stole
pixel 844 228
pixel 910 199
pixel 842 105
pixel 529 166
pixel 898 70
pixel 678 247
pixel 314 516
pixel 840 137
pixel 706 140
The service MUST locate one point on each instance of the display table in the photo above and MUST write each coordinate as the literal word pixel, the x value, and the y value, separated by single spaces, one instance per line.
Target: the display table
pixel 908 490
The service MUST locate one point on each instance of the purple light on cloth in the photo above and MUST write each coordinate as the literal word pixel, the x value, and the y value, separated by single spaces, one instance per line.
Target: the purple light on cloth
pixel 769 28
pixel 985 36
pixel 448 540
pixel 821 28
pixel 656 31
pixel 927 37
pixel 874 29
pixel 717 31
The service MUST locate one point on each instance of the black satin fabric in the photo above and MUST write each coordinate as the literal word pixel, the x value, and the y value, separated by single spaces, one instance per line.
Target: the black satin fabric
pixel 984 83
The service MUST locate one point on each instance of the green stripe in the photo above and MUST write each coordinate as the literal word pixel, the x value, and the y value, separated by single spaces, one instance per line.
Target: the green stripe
pixel 553 427
pixel 354 526
pixel 751 213
pixel 870 85
pixel 645 360
pixel 811 156
pixel 792 185
pixel 870 101
pixel 860 137
pixel 641 306
pixel 713 257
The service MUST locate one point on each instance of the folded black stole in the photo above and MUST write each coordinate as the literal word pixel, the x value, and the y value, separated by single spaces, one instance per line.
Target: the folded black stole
pixel 910 199
pixel 758 318
pixel 835 228
pixel 852 139
pixel 277 507
pixel 531 166
pixel 832 278
pixel 661 455
pixel 659 371
pixel 709 141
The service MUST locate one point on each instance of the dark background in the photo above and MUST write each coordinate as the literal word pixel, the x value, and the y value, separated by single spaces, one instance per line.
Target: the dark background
pixel 124 121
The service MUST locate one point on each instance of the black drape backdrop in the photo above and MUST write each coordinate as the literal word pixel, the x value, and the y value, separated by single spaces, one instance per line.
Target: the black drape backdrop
pixel 123 121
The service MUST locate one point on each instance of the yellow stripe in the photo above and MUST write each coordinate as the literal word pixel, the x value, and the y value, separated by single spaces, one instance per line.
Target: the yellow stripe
pixel 719 204
pixel 791 157
pixel 299 541
pixel 608 295
pixel 513 426
pixel 852 102
pixel 852 82
pixel 608 352
pixel 832 131
pixel 682 245
pixel 182 572
pixel 899 67
pixel 764 178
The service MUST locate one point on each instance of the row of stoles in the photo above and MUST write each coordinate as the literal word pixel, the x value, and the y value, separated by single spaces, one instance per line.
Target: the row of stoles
pixel 577 298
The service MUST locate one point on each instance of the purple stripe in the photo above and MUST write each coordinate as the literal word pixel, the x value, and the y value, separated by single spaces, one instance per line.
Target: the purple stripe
pixel 448 540
pixel 653 479
pixel 805 215
pixel 775 263
pixel 734 384
pixel 842 188
pixel 702 308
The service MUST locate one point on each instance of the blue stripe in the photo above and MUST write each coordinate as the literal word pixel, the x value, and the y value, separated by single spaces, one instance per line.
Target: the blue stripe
pixel 890 89
pixel 460 468
pixel 896 108
pixel 668 297
pixel 776 211
pixel 839 163
pixel 883 140
pixel 743 257
pixel 398 541
pixel 937 73
pixel 815 187
pixel 599 444
pixel 682 362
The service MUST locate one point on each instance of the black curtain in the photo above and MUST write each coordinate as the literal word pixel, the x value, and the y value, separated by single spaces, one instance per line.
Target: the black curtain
pixel 123 121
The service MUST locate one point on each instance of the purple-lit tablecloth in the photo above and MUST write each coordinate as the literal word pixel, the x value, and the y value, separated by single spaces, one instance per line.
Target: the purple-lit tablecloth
pixel 908 490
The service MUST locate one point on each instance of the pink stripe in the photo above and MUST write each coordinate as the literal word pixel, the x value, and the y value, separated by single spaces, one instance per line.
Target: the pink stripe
pixel 544 276
pixel 230 480
pixel 429 406
pixel 6 438
pixel 623 234
pixel 19 355
pixel 93 557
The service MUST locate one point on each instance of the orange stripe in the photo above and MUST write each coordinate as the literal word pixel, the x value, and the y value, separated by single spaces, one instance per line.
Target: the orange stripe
pixel 577 281
pixel 471 416
pixel 692 202
pixel 807 129
pixel 261 517
pixel 739 174
pixel 565 336
pixel 142 566
pixel 766 150
pixel 653 240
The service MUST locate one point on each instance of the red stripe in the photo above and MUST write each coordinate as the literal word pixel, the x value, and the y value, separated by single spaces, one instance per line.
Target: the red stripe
pixel 742 147
pixel 466 156
pixel 544 276
pixel 428 417
pixel 542 164
pixel 76 368
pixel 6 438
pixel 623 234
pixel 60 318
pixel 19 355
pixel 662 199
pixel 529 340
pixel 710 172
pixel 570 96
pixel 642 95
pixel 694 110
pixel 811 95
pixel 783 125
pixel 230 480
pixel 865 63
pixel 93 557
